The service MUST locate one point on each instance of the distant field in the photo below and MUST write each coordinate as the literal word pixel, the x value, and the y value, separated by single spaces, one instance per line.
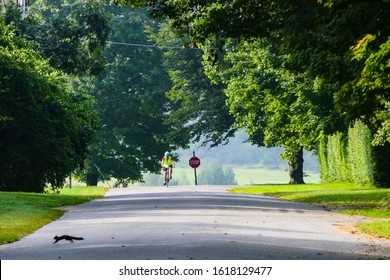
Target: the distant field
pixel 250 176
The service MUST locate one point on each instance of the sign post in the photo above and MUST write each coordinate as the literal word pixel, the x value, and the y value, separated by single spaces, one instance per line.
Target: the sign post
pixel 194 163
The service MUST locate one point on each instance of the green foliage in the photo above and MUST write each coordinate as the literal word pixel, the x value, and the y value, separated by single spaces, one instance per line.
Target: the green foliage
pixel 348 158
pixel 45 125
pixel 130 99
pixel 322 160
pixel 337 158
pixel 151 99
pixel 332 83
pixel 70 34
pixel 331 160
pixel 197 106
pixel 267 100
pixel 374 84
pixel 360 160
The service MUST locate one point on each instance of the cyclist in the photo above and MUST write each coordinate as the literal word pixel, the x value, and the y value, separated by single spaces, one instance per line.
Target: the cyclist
pixel 167 162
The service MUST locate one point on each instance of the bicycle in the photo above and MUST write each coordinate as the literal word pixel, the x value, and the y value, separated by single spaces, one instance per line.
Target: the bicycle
pixel 167 177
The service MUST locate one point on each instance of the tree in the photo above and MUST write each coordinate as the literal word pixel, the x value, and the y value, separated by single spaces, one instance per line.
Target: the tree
pixel 131 101
pixel 62 121
pixel 269 101
pixel 210 28
pixel 316 37
pixel 45 126
pixel 198 108
pixel 71 34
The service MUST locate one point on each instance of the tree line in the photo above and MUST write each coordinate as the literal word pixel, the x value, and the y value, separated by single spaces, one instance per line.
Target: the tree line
pixel 294 72
pixel 106 89
pixel 46 121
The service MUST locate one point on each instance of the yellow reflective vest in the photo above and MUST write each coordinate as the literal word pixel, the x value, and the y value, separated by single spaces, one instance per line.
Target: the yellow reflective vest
pixel 167 161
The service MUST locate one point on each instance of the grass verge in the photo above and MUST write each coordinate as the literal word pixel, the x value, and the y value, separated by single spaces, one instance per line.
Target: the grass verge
pixel 23 213
pixel 342 197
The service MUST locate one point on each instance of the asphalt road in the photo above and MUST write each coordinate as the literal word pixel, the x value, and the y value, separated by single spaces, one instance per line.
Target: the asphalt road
pixel 201 223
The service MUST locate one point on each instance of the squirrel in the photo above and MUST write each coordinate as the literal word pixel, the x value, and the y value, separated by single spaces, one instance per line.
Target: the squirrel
pixel 67 237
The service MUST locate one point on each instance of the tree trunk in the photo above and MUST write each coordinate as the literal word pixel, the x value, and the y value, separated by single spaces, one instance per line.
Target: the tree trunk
pixel 296 169
pixel 92 179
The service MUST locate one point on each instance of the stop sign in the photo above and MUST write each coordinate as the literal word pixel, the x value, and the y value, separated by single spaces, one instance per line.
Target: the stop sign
pixel 194 162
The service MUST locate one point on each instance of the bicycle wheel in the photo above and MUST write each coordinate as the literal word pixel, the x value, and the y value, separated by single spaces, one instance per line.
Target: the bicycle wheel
pixel 167 176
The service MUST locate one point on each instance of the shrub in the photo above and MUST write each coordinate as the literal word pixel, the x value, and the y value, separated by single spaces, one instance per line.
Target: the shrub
pixel 361 166
pixel 349 157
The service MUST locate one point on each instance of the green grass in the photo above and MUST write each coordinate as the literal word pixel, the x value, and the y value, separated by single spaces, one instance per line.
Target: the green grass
pixel 250 176
pixel 23 213
pixel 343 197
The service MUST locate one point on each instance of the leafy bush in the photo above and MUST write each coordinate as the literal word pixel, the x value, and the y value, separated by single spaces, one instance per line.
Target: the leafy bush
pixel 348 157
pixel 45 126
pixel 322 160
pixel 361 166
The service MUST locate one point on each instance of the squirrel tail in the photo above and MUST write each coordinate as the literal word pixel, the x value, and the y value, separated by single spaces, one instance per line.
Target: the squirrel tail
pixel 78 238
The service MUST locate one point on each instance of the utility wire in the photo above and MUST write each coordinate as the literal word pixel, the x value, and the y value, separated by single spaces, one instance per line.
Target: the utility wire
pixel 151 46
pixel 98 169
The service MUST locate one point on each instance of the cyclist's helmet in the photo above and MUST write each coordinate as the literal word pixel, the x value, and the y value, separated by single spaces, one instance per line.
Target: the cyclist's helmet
pixel 167 154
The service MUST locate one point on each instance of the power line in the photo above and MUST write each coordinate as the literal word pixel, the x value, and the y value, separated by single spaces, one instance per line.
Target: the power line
pixel 151 46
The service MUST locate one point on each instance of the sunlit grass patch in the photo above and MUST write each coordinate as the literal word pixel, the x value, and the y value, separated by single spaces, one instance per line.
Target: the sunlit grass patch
pixel 23 213
pixel 378 229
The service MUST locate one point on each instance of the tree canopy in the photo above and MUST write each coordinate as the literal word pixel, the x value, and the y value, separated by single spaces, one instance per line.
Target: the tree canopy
pixel 153 97
pixel 131 101
pixel 45 125
pixel 326 66
pixel 288 72
pixel 198 108
pixel 71 34
pixel 320 39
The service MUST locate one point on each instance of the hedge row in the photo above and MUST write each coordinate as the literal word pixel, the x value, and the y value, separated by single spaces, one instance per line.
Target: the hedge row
pixel 352 158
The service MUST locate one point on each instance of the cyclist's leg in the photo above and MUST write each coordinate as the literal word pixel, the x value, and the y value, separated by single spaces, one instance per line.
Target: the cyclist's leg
pixel 165 175
pixel 170 171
